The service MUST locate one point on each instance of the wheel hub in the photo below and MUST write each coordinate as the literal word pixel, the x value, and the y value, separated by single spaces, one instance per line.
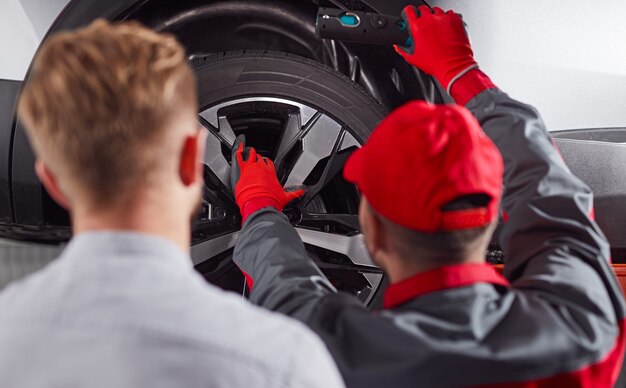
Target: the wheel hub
pixel 308 148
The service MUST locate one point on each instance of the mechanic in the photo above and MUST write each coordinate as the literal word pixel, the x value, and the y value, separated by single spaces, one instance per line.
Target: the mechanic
pixel 431 182
pixel 111 113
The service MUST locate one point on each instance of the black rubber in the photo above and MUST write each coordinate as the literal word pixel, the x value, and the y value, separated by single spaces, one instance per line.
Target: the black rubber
pixel 227 75
pixel 236 74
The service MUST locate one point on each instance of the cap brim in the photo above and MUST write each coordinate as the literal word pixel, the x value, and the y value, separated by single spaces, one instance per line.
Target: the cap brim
pixel 353 170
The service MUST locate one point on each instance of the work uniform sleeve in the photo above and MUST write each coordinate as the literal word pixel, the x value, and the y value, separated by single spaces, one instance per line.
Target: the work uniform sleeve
pixel 284 278
pixel 553 248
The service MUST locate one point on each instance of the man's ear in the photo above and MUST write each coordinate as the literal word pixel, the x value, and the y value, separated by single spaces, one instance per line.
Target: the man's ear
pixel 190 167
pixel 49 181
pixel 372 228
pixel 379 233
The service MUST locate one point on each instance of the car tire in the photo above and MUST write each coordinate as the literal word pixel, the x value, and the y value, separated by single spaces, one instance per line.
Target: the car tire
pixel 228 76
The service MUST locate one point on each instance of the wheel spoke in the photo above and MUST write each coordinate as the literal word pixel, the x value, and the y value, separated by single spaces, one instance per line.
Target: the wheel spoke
pixel 214 159
pixel 217 170
pixel 318 142
pixel 291 134
pixel 205 250
pixel 374 279
pixel 226 131
pixel 348 268
pixel 216 194
pixel 210 115
pixel 218 126
pixel 349 141
pixel 348 220
pixel 351 246
pixel 335 164
pixel 214 131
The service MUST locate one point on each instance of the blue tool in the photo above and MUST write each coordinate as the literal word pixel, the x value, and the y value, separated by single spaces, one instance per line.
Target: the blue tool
pixel 362 27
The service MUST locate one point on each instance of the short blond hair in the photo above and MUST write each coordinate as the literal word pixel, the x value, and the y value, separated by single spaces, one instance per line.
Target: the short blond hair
pixel 101 103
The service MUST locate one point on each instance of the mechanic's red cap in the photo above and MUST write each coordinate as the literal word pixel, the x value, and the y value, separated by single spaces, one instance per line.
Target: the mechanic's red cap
pixel 421 158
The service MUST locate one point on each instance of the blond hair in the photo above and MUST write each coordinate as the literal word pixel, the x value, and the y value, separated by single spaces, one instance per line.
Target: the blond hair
pixel 102 104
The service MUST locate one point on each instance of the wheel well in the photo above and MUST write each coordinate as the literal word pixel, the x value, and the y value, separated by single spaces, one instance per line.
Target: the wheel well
pixel 289 26
pixel 222 25
pixel 281 25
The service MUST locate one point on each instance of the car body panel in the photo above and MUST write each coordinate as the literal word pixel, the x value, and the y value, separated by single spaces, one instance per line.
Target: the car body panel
pixel 26 188
pixel 606 176
pixel 8 95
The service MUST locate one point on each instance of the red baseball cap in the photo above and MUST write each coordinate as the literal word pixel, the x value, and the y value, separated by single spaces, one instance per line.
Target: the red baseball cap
pixel 422 157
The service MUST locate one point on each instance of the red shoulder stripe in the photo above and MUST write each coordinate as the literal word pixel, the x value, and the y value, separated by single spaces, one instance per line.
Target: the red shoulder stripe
pixel 601 374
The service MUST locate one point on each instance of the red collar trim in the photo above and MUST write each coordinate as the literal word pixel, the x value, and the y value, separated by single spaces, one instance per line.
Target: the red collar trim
pixel 441 279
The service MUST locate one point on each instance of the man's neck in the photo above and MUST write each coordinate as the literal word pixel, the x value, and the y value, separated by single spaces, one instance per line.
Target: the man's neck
pixel 143 218
pixel 398 269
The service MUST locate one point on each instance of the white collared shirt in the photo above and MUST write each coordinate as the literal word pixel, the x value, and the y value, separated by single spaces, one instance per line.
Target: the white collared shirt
pixel 128 310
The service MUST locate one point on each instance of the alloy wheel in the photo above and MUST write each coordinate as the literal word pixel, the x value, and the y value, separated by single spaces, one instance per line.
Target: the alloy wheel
pixel 309 147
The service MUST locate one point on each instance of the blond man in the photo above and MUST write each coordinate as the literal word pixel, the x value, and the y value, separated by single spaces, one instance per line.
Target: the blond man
pixel 111 113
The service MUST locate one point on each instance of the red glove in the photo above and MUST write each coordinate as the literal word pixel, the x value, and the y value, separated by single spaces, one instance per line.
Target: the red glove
pixel 440 47
pixel 255 182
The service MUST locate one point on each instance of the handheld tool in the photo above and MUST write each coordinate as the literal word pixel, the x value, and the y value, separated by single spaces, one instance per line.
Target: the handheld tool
pixel 362 27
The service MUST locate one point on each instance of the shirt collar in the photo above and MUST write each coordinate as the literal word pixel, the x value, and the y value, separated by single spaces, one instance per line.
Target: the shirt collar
pixel 442 278
pixel 87 245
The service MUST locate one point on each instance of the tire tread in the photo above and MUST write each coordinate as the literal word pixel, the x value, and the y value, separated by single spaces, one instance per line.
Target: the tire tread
pixel 205 60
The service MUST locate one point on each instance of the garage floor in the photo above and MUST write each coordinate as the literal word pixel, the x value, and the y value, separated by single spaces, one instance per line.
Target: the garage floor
pixel 17 259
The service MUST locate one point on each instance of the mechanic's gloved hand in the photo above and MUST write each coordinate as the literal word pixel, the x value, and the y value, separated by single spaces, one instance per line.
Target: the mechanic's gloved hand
pixel 254 181
pixel 440 47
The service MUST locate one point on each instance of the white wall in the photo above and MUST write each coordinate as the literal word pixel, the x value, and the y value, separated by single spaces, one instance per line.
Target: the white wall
pixel 23 23
pixel 565 57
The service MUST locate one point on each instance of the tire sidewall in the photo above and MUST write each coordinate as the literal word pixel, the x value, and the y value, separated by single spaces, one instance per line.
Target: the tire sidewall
pixel 238 75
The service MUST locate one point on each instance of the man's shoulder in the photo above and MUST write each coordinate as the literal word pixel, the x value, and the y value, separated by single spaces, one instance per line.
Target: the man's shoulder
pixel 229 313
pixel 275 343
pixel 30 286
pixel 188 317
pixel 222 324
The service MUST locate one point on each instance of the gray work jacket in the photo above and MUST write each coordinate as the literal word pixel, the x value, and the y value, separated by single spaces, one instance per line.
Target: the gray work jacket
pixel 128 310
pixel 555 319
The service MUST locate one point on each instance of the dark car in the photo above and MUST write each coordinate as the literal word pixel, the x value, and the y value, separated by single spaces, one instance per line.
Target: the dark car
pixel 307 103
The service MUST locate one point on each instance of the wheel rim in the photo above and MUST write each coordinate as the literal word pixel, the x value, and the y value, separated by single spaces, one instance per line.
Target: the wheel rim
pixel 308 147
